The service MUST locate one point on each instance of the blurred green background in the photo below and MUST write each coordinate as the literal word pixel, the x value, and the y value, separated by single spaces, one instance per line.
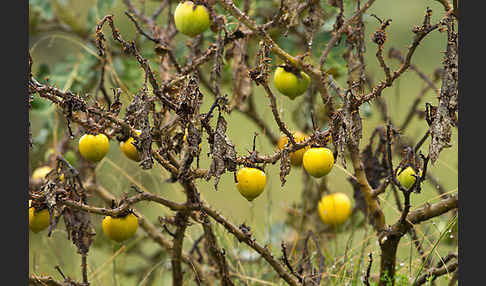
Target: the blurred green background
pixel 67 59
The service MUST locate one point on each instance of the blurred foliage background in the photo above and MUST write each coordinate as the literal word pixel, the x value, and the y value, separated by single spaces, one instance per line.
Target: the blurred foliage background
pixel 61 34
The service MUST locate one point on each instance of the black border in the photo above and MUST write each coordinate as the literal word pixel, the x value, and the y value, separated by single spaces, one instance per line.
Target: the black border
pixel 471 126
pixel 14 115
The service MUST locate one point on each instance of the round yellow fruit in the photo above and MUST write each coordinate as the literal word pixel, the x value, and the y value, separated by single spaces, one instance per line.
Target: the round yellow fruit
pixel 40 173
pixel 334 209
pixel 406 178
pixel 39 220
pixel 318 162
pixel 250 182
pixel 191 19
pixel 296 156
pixel 94 147
pixel 130 150
pixel 120 228
pixel 290 84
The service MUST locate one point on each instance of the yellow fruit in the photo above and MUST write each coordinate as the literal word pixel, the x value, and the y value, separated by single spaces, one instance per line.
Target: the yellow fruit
pixel 334 209
pixel 406 178
pixel 191 19
pixel 130 150
pixel 295 157
pixel 38 220
pixel 94 147
pixel 120 228
pixel 318 162
pixel 250 182
pixel 289 84
pixel 40 173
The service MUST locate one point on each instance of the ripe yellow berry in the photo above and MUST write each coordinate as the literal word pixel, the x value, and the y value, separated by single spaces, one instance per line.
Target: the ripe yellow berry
pixel 39 220
pixel 130 150
pixel 334 209
pixel 191 19
pixel 94 147
pixel 296 156
pixel 318 162
pixel 250 182
pixel 40 173
pixel 406 178
pixel 289 84
pixel 120 228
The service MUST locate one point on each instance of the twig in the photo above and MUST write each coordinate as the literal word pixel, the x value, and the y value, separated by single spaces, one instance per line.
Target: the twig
pixel 433 273
pixel 366 280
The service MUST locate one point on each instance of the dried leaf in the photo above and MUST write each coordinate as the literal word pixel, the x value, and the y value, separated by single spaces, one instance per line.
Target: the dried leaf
pixel 241 80
pixel 260 72
pixel 193 139
pixel 137 115
pixel 445 116
pixel 338 133
pixel 284 165
pixel 223 152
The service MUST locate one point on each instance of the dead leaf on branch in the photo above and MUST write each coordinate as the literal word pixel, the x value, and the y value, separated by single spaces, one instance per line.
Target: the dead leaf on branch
pixel 338 133
pixel 189 99
pixel 260 72
pixel 223 152
pixel 284 165
pixel 445 115
pixel 241 79
pixel 137 115
pixel 190 151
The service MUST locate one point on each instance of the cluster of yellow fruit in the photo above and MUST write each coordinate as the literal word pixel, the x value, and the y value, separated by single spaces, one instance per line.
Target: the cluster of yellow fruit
pixel 317 161
pixel 191 20
pixel 334 209
pixel 118 229
pixel 95 147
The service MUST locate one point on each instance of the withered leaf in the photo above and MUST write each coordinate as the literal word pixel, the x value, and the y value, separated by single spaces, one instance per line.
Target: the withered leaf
pixel 241 79
pixel 338 133
pixel 191 150
pixel 445 117
pixel 223 152
pixel 137 115
pixel 79 228
pixel 260 72
pixel 284 165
